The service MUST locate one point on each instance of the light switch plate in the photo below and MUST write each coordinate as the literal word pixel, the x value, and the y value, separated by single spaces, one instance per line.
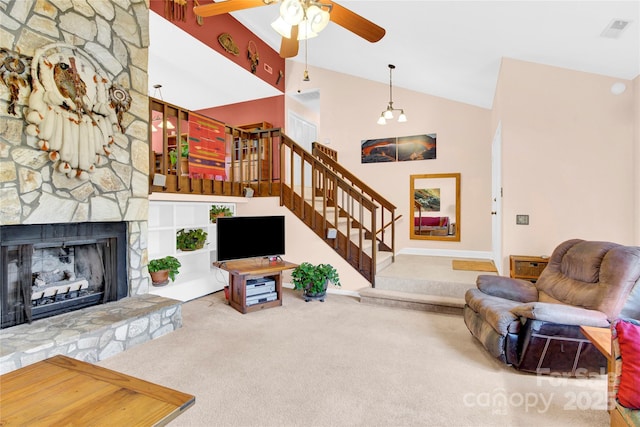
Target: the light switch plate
pixel 522 219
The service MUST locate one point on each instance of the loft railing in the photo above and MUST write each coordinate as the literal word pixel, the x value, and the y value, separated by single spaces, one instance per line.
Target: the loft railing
pixel 249 160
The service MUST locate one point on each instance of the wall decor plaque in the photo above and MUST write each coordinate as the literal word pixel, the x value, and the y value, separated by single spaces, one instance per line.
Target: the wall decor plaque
pixel 226 41
pixel 14 71
pixel 74 111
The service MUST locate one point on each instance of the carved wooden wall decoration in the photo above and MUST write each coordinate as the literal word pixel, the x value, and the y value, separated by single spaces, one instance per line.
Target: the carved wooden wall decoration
pixel 74 111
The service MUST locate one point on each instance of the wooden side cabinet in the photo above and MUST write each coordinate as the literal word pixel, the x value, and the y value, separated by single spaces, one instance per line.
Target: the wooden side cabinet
pixel 527 267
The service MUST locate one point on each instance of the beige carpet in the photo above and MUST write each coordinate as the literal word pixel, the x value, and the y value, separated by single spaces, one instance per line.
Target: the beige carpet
pixel 342 363
pixel 468 265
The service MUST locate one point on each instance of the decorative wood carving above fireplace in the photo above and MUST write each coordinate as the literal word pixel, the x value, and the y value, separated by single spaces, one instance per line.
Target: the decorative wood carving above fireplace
pixel 74 111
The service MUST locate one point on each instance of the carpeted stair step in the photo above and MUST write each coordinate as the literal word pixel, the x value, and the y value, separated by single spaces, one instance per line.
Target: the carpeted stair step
pixel 413 301
pixel 426 286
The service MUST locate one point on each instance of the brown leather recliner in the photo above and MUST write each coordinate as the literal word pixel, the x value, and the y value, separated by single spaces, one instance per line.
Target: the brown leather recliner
pixel 536 326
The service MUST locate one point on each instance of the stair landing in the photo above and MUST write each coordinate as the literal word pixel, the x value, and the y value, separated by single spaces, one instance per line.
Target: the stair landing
pixel 421 282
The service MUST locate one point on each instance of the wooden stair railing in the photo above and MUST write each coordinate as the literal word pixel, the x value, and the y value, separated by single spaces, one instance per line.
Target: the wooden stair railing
pixel 387 216
pixel 331 204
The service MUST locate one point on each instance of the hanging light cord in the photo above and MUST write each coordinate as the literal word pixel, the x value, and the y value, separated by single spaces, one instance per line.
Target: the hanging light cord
pixel 391 67
pixel 306 71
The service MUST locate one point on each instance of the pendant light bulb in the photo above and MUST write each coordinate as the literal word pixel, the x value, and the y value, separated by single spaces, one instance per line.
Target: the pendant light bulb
pixel 281 27
pixel 388 113
pixel 291 11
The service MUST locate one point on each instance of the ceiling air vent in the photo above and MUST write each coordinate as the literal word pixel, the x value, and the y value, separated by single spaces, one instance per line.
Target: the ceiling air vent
pixel 615 28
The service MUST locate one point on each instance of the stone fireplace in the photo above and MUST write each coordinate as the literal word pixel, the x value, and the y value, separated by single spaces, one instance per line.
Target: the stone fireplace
pixel 52 269
pixel 44 193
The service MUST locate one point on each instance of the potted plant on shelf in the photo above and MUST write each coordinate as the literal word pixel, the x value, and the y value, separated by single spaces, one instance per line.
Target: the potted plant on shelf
pixel 218 211
pixel 314 279
pixel 190 240
pixel 163 269
pixel 184 158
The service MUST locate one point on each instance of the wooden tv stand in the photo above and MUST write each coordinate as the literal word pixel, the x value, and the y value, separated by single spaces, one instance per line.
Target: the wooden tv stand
pixel 241 271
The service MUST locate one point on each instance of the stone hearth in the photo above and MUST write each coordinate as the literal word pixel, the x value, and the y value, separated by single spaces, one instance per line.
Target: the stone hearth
pixel 91 334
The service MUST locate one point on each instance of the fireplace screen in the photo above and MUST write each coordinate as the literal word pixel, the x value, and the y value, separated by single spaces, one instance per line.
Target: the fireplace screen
pixel 50 277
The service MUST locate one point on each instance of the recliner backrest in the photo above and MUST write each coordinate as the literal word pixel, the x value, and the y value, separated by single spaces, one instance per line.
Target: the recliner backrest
pixel 594 275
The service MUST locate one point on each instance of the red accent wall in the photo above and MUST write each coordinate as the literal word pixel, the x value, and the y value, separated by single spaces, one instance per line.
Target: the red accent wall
pixel 243 113
pixel 215 25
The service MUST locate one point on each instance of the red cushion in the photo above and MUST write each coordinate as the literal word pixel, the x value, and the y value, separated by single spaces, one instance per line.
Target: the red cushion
pixel 431 221
pixel 629 340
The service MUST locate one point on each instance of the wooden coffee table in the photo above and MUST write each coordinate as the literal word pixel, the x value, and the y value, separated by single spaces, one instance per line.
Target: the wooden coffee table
pixel 601 339
pixel 64 391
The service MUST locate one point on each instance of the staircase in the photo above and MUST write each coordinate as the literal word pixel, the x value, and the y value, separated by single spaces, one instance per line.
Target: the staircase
pixel 353 219
pixel 357 222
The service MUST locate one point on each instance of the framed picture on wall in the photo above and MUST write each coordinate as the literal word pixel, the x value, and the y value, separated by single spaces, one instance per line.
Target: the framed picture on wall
pixel 418 147
pixel 398 149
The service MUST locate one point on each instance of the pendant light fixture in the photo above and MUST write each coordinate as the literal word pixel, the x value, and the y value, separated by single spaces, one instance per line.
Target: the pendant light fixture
pixel 388 113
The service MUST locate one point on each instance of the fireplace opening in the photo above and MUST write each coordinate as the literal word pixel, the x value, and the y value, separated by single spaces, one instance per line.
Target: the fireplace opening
pixel 51 269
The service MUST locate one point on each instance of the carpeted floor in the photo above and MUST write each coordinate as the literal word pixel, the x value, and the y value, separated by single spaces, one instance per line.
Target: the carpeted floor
pixel 343 363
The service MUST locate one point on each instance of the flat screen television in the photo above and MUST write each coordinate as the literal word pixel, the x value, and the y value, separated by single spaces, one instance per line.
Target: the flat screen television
pixel 249 236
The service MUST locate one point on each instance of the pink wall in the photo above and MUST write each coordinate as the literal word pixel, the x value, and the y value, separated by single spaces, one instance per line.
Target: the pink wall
pixel 568 157
pixel 349 108
pixel 636 115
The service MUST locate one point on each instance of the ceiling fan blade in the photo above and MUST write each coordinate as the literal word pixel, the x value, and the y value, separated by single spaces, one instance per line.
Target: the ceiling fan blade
pixel 222 7
pixel 289 46
pixel 355 23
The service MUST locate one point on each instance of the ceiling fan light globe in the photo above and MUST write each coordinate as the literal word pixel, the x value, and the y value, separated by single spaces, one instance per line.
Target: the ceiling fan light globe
pixel 291 11
pixel 305 31
pixel 402 118
pixel 388 114
pixel 318 18
pixel 381 120
pixel 282 27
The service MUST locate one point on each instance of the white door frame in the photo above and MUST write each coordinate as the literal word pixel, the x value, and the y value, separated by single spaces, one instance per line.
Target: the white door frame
pixel 496 198
pixel 304 133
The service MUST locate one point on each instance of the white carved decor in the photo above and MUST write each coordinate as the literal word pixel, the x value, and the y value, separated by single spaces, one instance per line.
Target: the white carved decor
pixel 74 111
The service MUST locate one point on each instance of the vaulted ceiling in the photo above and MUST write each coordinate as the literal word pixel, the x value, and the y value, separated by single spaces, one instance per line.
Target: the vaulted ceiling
pixel 450 49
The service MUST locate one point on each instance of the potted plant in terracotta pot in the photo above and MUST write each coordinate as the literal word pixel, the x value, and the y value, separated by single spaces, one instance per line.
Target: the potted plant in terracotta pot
pixel 163 269
pixel 314 279
pixel 218 211
pixel 190 240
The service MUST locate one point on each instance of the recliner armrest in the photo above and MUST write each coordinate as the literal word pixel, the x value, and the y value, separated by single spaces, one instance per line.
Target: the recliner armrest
pixel 562 314
pixel 508 288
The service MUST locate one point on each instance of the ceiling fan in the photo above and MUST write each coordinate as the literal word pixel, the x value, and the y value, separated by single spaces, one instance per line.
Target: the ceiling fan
pixel 301 19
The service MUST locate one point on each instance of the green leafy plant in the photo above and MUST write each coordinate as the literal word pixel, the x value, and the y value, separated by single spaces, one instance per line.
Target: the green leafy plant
pixel 189 240
pixel 313 278
pixel 217 211
pixel 173 154
pixel 167 263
